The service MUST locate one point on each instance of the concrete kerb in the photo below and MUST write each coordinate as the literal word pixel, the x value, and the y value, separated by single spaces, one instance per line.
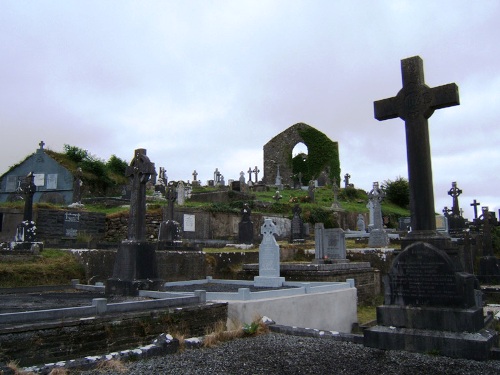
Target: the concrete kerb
pixel 100 306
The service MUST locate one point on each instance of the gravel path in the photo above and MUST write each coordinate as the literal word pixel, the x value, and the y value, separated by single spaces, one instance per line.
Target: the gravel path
pixel 289 355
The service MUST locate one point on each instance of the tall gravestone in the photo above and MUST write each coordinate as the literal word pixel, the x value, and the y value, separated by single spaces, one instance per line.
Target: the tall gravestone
pixel 456 223
pixel 169 234
pixel 430 303
pixel 269 258
pixel 181 193
pixel 378 236
pixel 297 225
pixel 245 226
pixel 135 264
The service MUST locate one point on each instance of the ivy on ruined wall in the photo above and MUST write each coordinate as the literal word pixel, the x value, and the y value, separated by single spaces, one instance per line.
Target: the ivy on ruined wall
pixel 323 153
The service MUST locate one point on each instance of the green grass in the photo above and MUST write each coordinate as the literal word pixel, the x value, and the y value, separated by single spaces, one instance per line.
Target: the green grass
pixel 51 268
pixel 367 312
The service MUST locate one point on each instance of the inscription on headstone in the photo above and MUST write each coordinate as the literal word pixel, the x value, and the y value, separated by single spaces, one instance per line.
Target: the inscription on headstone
pixel 423 275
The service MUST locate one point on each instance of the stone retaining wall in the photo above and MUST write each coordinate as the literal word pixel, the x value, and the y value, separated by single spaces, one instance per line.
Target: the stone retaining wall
pixel 52 342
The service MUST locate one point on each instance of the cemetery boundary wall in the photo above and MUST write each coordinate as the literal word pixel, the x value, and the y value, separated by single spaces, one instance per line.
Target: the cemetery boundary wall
pixel 69 227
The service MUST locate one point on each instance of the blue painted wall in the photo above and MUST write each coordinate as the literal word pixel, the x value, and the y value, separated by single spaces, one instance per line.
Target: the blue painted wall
pixel 51 178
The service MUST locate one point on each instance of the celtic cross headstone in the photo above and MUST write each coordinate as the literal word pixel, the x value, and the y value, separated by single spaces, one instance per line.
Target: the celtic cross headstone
pixel 414 104
pixel 139 172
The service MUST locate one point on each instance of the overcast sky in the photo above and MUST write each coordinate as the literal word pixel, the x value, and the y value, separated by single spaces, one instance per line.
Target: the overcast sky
pixel 205 84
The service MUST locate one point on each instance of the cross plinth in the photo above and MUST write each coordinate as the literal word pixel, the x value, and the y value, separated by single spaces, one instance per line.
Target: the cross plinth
pixel 414 104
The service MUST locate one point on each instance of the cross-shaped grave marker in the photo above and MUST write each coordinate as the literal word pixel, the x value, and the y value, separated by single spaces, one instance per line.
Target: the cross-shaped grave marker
pixel 139 171
pixel 414 104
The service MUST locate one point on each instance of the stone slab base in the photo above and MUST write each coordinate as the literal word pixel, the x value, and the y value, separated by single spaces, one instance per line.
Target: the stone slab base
pixel 268 282
pixel 431 318
pixel 465 345
pixel 131 287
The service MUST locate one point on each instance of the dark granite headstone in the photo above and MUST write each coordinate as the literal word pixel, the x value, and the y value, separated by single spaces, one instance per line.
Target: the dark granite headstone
pixel 170 230
pixel 297 227
pixel 423 275
pixel 430 303
pixel 245 226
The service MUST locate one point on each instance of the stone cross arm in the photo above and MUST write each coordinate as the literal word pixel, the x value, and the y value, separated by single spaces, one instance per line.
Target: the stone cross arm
pixel 435 98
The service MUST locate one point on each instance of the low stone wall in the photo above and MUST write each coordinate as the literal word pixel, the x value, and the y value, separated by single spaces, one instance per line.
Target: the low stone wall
pixel 172 265
pixel 54 225
pixel 56 341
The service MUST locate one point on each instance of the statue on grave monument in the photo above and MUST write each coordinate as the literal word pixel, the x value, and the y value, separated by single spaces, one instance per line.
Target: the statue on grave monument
pixel 77 186
pixel 26 231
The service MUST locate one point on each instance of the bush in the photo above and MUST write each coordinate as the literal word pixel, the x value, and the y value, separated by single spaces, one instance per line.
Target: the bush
pixel 397 191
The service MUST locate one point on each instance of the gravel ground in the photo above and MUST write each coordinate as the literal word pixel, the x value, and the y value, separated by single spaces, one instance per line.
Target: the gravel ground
pixel 284 354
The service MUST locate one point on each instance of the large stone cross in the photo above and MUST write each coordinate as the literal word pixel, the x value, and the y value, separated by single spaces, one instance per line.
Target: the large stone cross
pixel 414 104
pixel 139 171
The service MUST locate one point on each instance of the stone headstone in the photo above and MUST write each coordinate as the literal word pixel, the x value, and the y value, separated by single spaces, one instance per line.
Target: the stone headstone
pixel 360 223
pixel 181 193
pixel 430 303
pixel 278 181
pixel 135 265
pixel 170 230
pixel 335 188
pixel 269 258
pixel 297 229
pixel 404 223
pixel 245 226
pixel 139 172
pixel 310 190
pixel 378 236
pixel 329 243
